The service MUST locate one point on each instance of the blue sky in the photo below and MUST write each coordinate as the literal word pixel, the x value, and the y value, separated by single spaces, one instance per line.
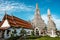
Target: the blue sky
pixel 25 9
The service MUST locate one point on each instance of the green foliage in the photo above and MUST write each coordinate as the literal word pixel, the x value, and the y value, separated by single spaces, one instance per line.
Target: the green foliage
pixel 13 38
pixel 14 30
pixel 45 28
pixel 32 33
pixel 23 32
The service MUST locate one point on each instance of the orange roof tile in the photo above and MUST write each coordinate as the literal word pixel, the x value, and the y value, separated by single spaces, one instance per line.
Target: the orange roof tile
pixel 16 22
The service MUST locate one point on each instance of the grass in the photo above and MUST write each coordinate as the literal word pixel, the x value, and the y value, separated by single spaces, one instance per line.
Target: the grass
pixel 46 38
pixel 37 38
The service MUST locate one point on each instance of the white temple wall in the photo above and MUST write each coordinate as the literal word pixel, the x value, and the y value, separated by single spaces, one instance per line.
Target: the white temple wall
pixel 18 32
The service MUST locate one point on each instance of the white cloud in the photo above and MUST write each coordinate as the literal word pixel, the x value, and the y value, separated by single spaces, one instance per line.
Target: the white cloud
pixel 13 7
pixel 30 17
pixel 6 6
pixel 57 21
pixel 44 17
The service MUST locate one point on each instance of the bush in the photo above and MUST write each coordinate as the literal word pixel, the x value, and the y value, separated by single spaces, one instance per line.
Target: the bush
pixel 12 38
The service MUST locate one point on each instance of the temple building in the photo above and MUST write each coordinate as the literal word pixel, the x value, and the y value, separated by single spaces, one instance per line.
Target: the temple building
pixel 51 28
pixel 38 23
pixel 10 24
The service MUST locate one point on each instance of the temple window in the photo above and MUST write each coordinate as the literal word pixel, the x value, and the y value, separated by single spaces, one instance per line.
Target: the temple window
pixel 28 32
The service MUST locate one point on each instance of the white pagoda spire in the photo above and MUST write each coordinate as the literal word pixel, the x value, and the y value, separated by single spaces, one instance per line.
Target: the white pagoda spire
pixel 49 15
pixel 48 11
pixel 36 5
pixel 38 22
pixel 51 25
pixel 37 11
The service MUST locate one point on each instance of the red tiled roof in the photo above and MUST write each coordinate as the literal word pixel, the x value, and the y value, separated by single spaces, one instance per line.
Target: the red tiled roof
pixel 16 22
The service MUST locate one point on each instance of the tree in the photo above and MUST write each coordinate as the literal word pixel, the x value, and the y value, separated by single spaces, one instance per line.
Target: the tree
pixel 32 33
pixel 14 32
pixel 23 32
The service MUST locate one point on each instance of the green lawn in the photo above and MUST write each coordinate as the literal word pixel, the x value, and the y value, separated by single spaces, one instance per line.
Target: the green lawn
pixel 46 38
pixel 36 38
